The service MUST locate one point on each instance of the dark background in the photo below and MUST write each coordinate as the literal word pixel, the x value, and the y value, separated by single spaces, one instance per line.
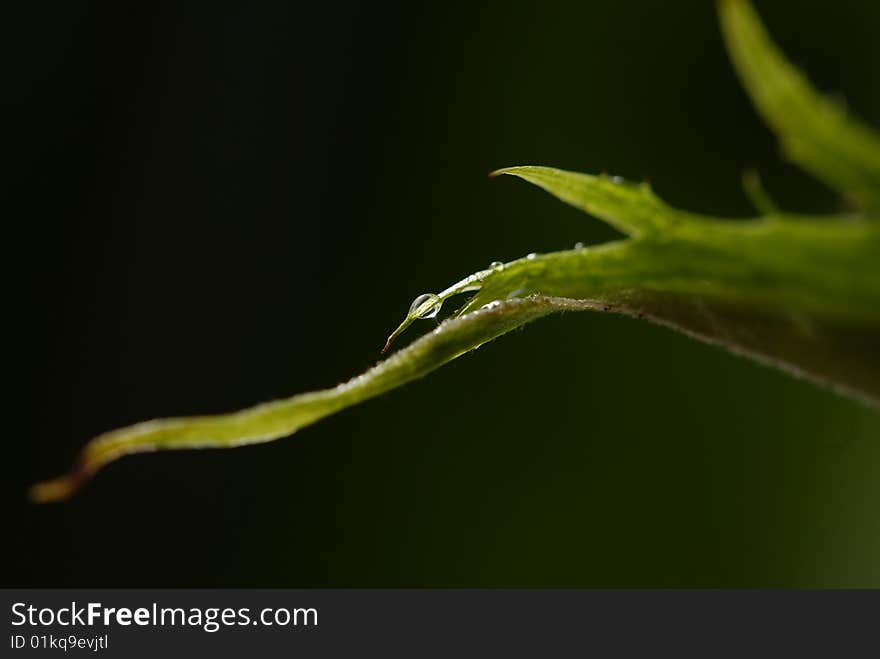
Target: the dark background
pixel 212 205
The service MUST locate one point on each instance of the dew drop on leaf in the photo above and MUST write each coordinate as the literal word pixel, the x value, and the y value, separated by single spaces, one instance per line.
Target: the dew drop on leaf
pixel 420 301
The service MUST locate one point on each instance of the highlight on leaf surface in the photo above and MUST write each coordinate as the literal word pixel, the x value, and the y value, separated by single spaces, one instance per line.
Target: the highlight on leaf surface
pixel 796 292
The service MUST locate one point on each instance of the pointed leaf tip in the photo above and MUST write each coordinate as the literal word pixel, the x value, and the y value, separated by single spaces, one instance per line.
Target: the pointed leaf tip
pixel 629 207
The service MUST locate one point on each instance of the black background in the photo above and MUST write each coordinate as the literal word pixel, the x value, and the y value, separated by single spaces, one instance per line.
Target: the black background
pixel 210 205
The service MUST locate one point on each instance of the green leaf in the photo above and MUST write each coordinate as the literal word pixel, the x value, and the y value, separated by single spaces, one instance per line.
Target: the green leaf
pixel 797 292
pixel 802 294
pixel 632 209
pixel 816 132
pixel 269 421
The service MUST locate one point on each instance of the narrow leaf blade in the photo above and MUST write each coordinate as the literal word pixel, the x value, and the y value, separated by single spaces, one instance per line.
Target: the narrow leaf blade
pixel 631 208
pixel 276 419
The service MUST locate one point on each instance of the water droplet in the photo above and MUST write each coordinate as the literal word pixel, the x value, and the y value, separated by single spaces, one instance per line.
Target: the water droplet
pixel 491 305
pixel 421 301
pixel 519 292
pixel 530 256
pixel 578 245
pixel 618 180
pixel 496 265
